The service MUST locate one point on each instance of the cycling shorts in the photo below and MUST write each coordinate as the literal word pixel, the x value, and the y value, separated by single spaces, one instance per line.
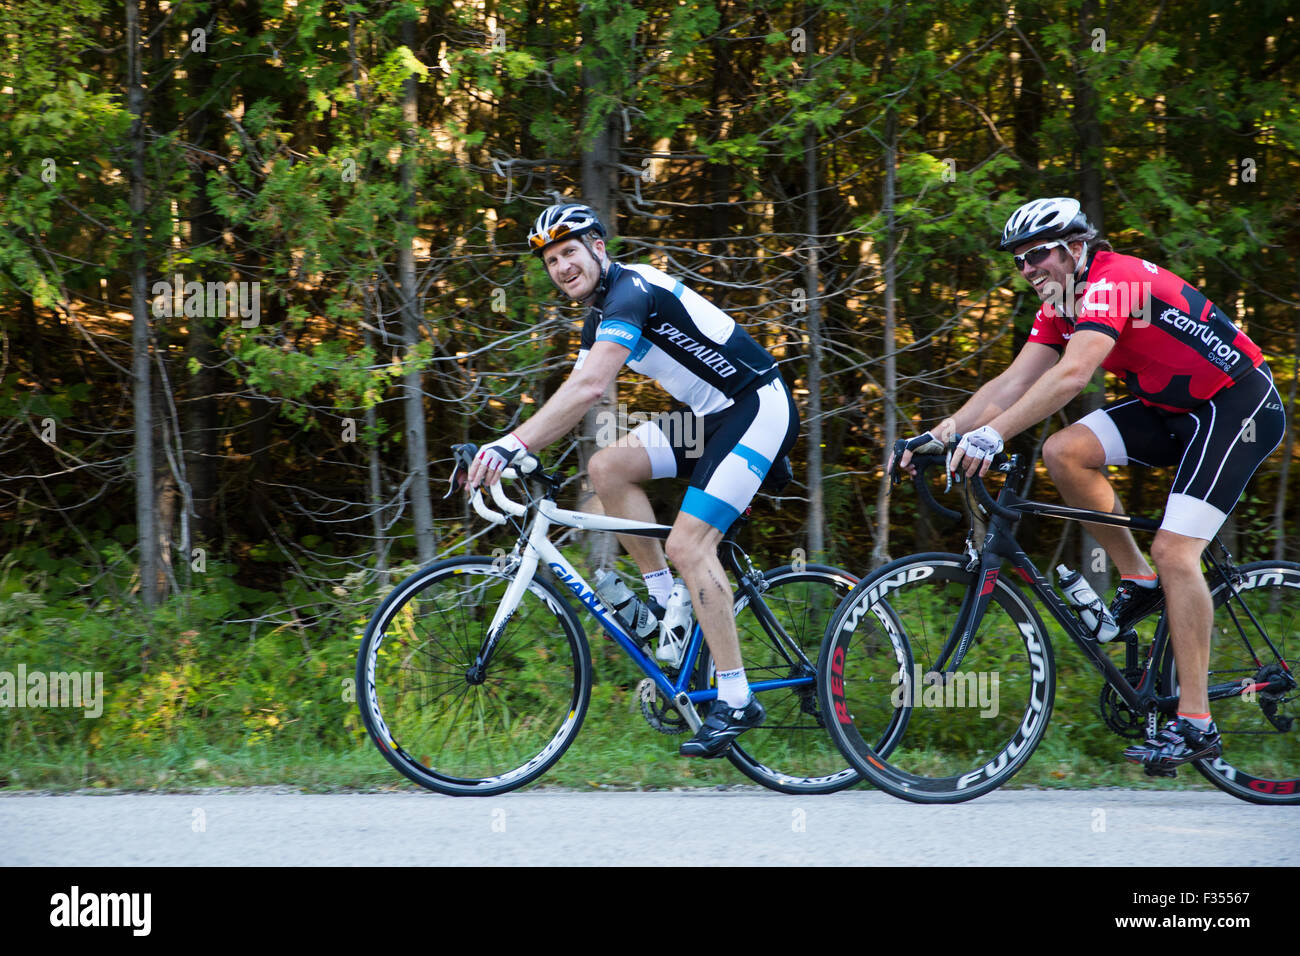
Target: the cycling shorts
pixel 727 454
pixel 1216 447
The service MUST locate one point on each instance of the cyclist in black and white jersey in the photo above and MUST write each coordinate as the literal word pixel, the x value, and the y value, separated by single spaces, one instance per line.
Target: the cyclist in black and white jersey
pixel 647 320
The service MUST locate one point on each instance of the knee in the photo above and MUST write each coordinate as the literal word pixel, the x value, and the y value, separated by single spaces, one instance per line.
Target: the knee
pixel 1072 449
pixel 603 470
pixel 1176 557
pixel 684 550
pixel 677 550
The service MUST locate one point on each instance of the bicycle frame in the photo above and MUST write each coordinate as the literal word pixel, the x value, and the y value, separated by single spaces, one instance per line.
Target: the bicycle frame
pixel 537 548
pixel 1000 545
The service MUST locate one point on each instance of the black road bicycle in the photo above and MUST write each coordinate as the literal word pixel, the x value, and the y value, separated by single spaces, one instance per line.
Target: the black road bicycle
pixel 975 679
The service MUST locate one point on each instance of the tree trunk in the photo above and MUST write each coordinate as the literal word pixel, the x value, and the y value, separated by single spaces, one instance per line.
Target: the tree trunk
pixel 416 442
pixel 812 280
pixel 206 231
pixel 146 535
pixel 598 190
pixel 880 548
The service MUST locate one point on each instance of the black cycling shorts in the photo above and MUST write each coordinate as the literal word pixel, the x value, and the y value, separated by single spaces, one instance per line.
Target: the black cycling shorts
pixel 1216 447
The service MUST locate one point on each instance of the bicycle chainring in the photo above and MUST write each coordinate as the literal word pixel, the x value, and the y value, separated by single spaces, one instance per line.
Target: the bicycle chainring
pixel 1119 717
pixel 659 711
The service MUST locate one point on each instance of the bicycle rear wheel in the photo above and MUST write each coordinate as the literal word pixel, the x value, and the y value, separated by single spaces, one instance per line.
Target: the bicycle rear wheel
pixel 451 726
pixel 960 738
pixel 1260 729
pixel 792 751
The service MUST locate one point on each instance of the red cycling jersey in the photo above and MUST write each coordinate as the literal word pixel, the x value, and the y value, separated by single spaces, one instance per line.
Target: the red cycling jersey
pixel 1174 348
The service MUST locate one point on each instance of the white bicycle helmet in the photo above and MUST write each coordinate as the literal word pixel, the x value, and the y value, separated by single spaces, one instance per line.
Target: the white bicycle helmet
pixel 564 220
pixel 1045 219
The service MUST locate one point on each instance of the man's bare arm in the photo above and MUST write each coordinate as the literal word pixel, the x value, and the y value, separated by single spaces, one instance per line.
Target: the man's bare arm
pixel 580 391
pixel 1050 393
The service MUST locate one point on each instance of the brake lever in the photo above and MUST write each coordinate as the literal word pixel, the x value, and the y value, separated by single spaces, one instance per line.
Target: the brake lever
pixel 463 456
pixel 896 473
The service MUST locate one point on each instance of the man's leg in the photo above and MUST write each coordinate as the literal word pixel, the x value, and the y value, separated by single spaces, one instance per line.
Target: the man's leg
pixel 693 550
pixel 1191 613
pixel 1076 461
pixel 617 473
pixel 1192 736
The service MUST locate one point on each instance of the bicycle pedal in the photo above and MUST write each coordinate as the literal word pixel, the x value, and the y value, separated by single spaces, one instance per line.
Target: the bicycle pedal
pixel 1161 771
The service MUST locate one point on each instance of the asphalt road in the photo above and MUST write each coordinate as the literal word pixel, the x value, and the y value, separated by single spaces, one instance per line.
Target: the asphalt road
pixel 272 827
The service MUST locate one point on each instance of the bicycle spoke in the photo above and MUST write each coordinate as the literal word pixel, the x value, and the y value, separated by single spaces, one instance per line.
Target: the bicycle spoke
pixel 468 729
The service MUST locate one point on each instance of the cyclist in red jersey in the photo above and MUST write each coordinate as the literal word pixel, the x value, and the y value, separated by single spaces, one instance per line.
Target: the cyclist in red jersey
pixel 1204 402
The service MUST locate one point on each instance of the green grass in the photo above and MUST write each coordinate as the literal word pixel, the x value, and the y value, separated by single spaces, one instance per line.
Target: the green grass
pixel 191 701
pixel 615 750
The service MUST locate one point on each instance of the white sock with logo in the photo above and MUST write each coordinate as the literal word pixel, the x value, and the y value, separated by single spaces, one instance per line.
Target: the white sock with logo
pixel 660 585
pixel 733 687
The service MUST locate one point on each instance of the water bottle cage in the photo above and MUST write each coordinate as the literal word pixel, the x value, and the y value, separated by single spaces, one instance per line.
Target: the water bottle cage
pixel 1094 629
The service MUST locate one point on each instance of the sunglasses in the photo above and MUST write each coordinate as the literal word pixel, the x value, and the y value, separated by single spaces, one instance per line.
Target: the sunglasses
pixel 555 232
pixel 1038 255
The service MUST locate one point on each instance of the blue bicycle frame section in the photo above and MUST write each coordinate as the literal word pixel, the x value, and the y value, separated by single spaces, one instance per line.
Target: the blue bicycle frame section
pixel 539 549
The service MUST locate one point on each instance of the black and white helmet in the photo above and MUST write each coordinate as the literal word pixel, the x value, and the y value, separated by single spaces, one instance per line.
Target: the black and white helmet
pixel 566 220
pixel 1045 219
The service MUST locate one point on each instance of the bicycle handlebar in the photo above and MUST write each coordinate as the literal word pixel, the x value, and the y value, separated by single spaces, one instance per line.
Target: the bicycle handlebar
pixel 921 462
pixel 463 457
pixel 990 505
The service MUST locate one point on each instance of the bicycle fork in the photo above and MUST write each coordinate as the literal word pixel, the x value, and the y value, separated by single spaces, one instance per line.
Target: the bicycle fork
pixel 973 605
pixel 523 576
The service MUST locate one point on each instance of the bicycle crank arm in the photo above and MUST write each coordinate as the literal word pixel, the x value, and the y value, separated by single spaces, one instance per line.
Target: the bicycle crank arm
pixel 687 710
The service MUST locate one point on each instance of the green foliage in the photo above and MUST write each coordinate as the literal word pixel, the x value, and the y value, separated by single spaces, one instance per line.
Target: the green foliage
pixel 285 144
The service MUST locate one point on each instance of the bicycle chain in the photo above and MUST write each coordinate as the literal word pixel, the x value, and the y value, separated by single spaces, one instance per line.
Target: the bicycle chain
pixel 659 712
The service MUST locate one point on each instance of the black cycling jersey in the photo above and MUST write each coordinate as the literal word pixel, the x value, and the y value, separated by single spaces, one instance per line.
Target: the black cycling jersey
pixel 697 352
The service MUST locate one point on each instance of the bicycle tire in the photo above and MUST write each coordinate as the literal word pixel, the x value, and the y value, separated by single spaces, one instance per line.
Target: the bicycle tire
pixel 792 751
pixel 949 750
pixel 1260 761
pixel 439 725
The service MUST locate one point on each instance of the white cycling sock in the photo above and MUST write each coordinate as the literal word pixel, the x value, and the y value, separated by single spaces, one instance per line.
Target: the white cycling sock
pixel 733 687
pixel 660 585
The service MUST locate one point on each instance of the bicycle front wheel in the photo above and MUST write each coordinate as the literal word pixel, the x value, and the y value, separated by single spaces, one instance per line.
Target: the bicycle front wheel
pixel 451 719
pixel 962 736
pixel 792 751
pixel 1253 694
